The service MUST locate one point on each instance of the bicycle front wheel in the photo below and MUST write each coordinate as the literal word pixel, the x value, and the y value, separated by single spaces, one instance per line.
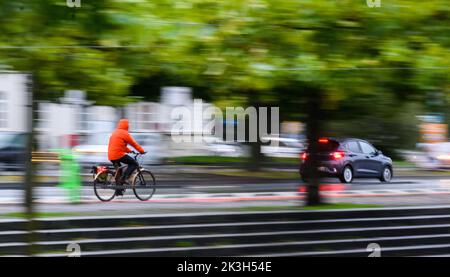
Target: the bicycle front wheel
pixel 144 185
pixel 104 187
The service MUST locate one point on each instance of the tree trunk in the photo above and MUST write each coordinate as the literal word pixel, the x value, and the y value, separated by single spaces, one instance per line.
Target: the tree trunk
pixel 314 121
pixel 255 161
pixel 256 157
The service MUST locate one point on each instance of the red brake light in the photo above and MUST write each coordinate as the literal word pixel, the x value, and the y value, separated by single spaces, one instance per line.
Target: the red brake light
pixel 304 156
pixel 323 140
pixel 338 155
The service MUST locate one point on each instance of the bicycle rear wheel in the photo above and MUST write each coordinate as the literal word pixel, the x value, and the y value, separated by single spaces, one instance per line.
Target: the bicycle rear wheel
pixel 144 185
pixel 104 187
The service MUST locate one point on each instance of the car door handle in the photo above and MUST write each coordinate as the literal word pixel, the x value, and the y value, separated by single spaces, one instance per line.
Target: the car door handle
pixel 368 157
pixel 352 155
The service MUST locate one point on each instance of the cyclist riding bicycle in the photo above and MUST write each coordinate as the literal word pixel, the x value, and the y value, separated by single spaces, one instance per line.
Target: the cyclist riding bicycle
pixel 118 150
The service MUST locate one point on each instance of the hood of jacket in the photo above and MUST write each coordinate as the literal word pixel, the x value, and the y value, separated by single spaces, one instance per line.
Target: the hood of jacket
pixel 123 124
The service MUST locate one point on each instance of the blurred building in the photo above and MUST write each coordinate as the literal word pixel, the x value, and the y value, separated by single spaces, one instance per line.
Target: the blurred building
pixel 157 117
pixel 433 129
pixel 65 123
pixel 13 101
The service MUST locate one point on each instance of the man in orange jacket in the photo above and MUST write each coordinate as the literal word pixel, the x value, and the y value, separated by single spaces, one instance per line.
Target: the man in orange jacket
pixel 118 150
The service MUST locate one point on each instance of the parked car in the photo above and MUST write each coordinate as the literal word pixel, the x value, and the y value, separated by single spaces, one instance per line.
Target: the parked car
pixel 225 149
pixel 347 159
pixel 12 150
pixel 286 148
pixel 433 156
pixel 94 150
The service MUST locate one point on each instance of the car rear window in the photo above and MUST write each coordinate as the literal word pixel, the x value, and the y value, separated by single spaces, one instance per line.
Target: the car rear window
pixel 353 147
pixel 331 145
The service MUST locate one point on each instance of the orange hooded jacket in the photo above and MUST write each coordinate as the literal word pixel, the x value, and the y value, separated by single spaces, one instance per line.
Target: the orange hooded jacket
pixel 119 140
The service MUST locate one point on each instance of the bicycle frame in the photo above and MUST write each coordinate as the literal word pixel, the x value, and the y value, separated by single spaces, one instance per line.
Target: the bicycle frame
pixel 137 171
pixel 140 173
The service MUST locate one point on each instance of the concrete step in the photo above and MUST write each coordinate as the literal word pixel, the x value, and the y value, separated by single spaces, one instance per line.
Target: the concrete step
pixel 327 233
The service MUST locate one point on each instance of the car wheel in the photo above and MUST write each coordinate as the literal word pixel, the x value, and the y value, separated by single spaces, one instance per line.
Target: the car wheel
pixel 386 174
pixel 347 175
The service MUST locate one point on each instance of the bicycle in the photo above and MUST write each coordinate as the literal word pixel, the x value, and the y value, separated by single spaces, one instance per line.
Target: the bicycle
pixel 106 179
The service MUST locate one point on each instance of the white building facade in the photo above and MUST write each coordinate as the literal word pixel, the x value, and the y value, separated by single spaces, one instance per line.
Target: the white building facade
pixel 14 99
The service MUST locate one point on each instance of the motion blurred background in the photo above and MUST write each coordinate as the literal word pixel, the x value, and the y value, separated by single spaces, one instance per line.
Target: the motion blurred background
pixel 379 74
pixel 382 72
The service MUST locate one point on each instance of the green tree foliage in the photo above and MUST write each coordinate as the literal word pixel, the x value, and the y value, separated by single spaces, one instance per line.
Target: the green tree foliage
pixel 273 50
pixel 236 45
pixel 369 66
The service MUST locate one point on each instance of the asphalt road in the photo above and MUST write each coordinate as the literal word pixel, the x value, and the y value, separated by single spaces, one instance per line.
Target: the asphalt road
pixel 211 197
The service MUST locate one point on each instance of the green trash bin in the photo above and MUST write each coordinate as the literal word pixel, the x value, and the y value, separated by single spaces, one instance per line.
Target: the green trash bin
pixel 70 178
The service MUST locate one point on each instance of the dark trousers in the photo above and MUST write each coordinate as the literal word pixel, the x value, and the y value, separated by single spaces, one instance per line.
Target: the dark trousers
pixel 132 166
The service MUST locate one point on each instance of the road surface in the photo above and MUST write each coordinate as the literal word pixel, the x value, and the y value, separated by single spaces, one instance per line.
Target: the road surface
pixel 209 196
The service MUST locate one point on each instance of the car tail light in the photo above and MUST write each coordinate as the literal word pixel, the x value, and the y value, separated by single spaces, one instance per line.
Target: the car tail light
pixel 323 140
pixel 304 156
pixel 337 155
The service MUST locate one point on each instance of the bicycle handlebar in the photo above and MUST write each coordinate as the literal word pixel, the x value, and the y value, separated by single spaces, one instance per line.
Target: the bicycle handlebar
pixel 136 153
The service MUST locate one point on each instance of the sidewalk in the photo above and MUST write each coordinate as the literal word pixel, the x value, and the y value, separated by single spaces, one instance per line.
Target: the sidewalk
pixel 173 174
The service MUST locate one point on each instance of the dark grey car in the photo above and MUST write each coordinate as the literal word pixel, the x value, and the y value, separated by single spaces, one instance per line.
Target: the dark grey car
pixel 347 159
pixel 12 150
